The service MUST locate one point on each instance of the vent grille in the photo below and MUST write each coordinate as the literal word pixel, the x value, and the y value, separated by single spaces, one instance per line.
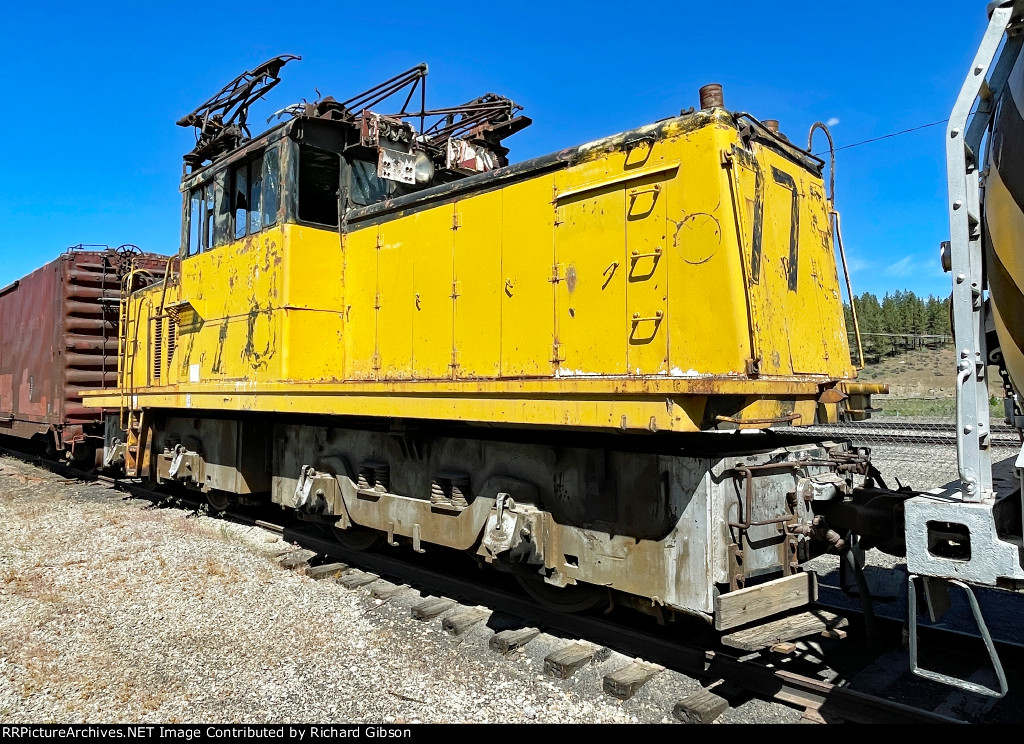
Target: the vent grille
pixel 171 341
pixel 158 347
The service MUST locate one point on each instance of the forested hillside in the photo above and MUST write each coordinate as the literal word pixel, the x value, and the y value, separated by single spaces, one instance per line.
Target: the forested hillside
pixel 899 322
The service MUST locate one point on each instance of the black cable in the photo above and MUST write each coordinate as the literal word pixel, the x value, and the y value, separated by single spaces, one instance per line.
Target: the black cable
pixel 886 136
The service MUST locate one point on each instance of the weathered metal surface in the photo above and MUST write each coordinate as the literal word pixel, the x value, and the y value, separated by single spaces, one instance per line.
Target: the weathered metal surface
pixel 220 122
pixel 662 527
pixel 711 96
pixel 58 340
pixel 521 302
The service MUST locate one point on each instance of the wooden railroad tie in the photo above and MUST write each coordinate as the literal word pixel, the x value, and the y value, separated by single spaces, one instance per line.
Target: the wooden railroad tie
pixel 297 558
pixel 623 683
pixel 462 620
pixel 387 590
pixel 703 706
pixel 811 715
pixel 326 571
pixel 564 662
pixel 507 641
pixel 431 608
pixel 355 579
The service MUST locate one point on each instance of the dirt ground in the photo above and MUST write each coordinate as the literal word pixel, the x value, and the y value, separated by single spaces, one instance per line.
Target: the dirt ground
pixel 923 373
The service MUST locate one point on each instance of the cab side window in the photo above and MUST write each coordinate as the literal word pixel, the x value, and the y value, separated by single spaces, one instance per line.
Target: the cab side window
pixel 222 210
pixel 255 194
pixel 195 222
pixel 319 182
pixel 270 188
pixel 234 204
pixel 241 195
pixel 208 216
pixel 367 187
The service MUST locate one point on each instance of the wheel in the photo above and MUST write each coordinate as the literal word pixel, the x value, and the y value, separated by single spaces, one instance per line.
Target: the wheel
pixel 571 598
pixel 219 501
pixel 357 538
pixel 127 251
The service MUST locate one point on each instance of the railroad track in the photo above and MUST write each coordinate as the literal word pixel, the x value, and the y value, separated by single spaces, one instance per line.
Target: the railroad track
pixel 757 674
pixel 800 675
pixel 797 675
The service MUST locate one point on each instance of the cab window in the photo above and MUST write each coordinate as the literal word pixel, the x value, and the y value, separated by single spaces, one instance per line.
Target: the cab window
pixel 202 216
pixel 209 215
pixel 367 187
pixel 234 204
pixel 241 196
pixel 195 222
pixel 270 188
pixel 247 197
pixel 319 181
pixel 222 210
pixel 255 194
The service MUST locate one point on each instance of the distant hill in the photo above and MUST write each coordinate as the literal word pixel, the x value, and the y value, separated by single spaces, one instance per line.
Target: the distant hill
pixel 907 343
pixel 922 383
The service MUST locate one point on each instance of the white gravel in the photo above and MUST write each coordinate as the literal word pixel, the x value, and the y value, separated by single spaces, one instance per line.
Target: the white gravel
pixel 113 611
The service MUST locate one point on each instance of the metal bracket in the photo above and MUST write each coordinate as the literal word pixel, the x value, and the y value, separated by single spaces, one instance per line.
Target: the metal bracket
pixel 115 453
pixel 500 529
pixel 982 628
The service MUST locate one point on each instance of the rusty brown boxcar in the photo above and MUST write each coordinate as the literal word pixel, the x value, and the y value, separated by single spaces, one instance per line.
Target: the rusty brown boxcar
pixel 58 337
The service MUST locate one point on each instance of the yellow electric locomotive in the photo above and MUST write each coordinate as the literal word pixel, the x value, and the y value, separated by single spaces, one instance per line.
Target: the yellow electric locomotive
pixel 564 366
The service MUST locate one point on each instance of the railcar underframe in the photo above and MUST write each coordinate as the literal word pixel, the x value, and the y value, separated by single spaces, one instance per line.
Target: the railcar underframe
pixel 709 525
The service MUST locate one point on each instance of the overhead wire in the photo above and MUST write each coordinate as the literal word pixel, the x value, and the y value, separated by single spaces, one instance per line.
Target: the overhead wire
pixel 885 136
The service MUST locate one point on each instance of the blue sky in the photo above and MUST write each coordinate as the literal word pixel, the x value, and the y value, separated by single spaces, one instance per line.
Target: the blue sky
pixel 91 93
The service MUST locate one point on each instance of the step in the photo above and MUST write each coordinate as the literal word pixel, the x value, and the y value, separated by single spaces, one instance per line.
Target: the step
pixel 784 629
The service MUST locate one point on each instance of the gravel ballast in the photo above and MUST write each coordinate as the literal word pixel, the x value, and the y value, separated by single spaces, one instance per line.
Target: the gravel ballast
pixel 116 611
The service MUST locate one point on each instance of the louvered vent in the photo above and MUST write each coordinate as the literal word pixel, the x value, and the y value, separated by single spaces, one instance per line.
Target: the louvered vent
pixel 158 348
pixel 172 338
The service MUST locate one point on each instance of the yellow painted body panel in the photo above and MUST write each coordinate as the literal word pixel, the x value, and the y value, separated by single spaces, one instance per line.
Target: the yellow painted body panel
pixel 361 356
pixel 527 296
pixel 478 284
pixel 1005 222
pixel 620 290
pixel 590 296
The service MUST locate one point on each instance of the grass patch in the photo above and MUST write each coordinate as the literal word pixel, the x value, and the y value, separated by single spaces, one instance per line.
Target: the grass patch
pixel 932 407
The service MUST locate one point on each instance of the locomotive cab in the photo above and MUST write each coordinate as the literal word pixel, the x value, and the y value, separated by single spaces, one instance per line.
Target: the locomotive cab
pixel 301 173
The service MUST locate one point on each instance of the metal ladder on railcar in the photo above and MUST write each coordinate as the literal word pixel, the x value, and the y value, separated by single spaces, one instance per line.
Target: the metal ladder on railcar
pixel 129 420
pixel 963 256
